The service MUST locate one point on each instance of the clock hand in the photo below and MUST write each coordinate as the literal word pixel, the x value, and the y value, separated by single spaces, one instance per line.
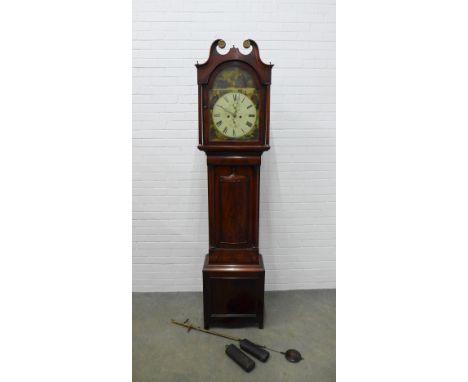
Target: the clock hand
pixel 230 112
pixel 236 105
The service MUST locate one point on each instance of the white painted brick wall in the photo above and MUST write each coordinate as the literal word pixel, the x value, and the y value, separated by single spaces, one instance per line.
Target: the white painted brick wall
pixel 297 212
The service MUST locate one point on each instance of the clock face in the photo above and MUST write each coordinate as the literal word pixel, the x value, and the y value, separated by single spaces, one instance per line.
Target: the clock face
pixel 234 115
pixel 234 105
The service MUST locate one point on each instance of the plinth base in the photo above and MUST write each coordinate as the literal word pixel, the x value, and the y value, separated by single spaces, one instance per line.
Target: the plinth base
pixel 233 294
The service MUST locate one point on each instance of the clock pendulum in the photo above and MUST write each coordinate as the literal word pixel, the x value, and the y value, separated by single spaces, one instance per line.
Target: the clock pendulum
pixel 233 113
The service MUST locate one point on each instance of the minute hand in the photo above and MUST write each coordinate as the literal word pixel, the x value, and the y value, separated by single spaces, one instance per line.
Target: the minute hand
pixel 230 112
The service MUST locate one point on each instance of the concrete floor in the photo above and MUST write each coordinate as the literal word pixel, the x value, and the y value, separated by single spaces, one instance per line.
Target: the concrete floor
pixel 304 320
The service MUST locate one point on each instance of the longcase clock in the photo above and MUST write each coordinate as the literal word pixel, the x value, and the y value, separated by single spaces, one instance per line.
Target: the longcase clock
pixel 233 110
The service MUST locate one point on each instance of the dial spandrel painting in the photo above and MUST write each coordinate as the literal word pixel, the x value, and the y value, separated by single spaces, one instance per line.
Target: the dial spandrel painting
pixel 234 103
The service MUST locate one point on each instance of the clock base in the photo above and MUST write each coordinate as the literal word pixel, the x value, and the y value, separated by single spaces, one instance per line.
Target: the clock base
pixel 233 294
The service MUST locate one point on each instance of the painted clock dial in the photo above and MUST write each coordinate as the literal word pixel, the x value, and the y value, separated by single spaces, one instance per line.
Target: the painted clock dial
pixel 234 115
pixel 234 105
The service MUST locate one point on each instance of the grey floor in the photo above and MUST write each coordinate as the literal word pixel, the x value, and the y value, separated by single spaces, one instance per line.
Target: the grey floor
pixel 304 320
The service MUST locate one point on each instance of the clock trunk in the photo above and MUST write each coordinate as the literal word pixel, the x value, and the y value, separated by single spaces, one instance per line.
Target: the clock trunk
pixel 233 202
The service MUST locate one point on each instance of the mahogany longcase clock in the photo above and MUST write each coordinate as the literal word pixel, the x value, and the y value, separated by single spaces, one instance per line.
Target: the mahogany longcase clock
pixel 233 110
